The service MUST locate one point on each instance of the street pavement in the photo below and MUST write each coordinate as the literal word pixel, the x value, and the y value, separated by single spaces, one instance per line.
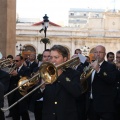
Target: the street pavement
pixel 7 112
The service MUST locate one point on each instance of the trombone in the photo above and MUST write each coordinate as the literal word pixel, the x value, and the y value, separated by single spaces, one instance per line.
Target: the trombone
pixel 48 72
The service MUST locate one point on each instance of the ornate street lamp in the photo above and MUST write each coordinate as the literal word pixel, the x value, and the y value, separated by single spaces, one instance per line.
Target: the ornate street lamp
pixel 85 50
pixel 20 48
pixel 45 26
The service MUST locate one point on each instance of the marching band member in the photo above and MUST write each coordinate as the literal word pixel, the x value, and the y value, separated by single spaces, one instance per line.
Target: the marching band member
pixel 110 57
pixel 59 98
pixel 101 87
pixel 31 64
pixel 21 108
pixel 118 85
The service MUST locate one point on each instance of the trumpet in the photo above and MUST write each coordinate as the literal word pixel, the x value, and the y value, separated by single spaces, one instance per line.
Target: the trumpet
pixel 87 71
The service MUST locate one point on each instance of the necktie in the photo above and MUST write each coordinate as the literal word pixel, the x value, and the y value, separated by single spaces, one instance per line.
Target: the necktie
pixel 17 70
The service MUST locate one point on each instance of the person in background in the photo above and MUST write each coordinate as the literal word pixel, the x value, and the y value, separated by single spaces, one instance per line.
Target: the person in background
pixel 118 85
pixel 78 51
pixel 21 109
pixel 45 56
pixel 31 64
pixel 101 88
pixel 39 103
pixel 88 59
pixel 110 57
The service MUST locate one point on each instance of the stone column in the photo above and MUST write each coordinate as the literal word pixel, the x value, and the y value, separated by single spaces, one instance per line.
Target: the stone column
pixel 7 27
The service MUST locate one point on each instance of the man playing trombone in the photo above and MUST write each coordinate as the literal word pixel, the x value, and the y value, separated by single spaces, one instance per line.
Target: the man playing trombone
pixel 59 98
pixel 21 108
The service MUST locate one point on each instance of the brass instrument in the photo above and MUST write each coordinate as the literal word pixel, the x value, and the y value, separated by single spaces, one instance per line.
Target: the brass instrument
pixel 86 73
pixel 7 65
pixel 49 73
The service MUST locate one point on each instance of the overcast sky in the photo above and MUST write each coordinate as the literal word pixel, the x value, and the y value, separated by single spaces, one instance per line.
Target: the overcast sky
pixel 57 10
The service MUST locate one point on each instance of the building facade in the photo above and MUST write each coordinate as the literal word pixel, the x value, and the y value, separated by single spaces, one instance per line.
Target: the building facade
pixel 98 31
pixel 79 17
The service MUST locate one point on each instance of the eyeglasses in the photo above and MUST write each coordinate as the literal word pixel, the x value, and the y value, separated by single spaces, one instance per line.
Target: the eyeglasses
pixel 99 52
pixel 17 60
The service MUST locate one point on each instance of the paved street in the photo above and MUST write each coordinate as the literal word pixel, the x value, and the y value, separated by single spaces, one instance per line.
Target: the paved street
pixel 7 112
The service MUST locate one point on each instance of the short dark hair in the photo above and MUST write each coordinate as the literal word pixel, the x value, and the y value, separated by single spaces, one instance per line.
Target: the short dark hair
pixel 10 56
pixel 118 52
pixel 46 50
pixel 76 50
pixel 61 49
pixel 87 57
pixel 110 53
pixel 21 57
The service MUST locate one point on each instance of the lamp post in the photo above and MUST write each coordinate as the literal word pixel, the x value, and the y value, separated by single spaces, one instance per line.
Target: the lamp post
pixel 45 24
pixel 85 50
pixel 20 48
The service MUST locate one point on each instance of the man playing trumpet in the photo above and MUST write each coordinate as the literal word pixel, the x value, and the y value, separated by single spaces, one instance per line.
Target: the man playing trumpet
pixel 101 87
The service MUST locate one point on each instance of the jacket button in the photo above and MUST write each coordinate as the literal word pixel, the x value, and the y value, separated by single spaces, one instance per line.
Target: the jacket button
pixel 53 113
pixel 55 103
pixel 117 87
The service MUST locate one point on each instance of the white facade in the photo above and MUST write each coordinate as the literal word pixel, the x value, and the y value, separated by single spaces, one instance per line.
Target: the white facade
pixel 103 31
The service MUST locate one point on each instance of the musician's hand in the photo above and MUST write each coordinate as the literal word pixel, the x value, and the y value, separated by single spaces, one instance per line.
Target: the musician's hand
pixel 43 84
pixel 95 65
pixel 14 73
pixel 60 72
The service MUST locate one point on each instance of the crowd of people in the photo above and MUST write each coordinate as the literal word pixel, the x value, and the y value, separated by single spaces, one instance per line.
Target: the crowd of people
pixel 64 99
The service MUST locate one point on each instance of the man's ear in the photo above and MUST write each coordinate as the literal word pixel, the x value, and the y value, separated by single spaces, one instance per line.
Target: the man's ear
pixel 65 59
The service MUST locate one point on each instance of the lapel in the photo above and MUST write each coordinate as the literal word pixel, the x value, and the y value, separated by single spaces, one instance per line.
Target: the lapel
pixel 58 88
pixel 101 67
pixel 21 70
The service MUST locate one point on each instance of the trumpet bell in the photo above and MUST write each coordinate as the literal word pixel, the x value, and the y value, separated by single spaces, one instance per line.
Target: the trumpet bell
pixel 86 73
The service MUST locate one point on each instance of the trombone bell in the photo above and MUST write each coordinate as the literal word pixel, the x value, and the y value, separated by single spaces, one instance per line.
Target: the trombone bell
pixel 48 72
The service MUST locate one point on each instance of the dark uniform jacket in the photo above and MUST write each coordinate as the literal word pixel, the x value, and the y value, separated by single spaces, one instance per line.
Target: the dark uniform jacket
pixel 5 80
pixel 118 87
pixel 103 88
pixel 1 95
pixel 32 66
pixel 59 98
